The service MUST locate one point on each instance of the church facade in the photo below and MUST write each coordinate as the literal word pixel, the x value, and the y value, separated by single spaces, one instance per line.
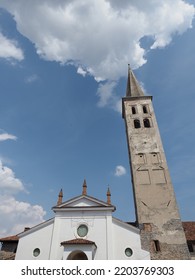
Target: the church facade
pixel 83 228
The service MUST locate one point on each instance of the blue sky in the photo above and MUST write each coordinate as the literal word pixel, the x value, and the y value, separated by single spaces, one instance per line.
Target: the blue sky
pixel 63 73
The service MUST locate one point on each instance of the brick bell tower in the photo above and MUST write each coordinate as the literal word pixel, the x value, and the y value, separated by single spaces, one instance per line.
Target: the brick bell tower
pixel 155 204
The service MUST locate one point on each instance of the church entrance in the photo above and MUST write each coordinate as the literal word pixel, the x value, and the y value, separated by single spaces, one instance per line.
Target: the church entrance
pixel 77 255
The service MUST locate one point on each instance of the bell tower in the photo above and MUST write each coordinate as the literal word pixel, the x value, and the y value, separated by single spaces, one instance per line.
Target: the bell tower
pixel 155 204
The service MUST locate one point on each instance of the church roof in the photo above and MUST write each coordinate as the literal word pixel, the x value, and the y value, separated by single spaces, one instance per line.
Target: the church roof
pixel 36 227
pixel 12 238
pixel 189 229
pixel 133 87
pixel 78 241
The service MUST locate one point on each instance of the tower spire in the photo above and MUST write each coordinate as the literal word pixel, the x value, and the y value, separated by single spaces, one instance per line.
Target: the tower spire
pixel 108 196
pixel 133 87
pixel 60 196
pixel 84 188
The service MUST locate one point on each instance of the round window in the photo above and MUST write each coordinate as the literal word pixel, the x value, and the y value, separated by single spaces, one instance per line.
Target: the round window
pixel 36 252
pixel 128 252
pixel 82 230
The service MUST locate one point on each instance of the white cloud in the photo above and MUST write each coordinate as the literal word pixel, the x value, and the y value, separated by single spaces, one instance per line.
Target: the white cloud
pixel 81 71
pixel 5 160
pixel 120 171
pixel 8 182
pixel 4 136
pixel 31 79
pixel 108 97
pixel 105 92
pixel 9 49
pixel 15 215
pixel 102 36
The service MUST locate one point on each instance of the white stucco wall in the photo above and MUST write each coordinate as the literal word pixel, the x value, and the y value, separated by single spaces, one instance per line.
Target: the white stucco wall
pixel 111 236
pixel 126 236
pixel 66 229
pixel 36 238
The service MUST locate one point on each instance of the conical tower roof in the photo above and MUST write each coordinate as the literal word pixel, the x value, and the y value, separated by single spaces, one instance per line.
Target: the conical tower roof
pixel 133 87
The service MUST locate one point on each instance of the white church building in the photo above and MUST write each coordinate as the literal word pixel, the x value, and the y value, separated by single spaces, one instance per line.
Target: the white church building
pixel 82 228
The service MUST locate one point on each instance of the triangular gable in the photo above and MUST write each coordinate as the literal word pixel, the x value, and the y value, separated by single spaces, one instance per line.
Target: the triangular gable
pixel 83 201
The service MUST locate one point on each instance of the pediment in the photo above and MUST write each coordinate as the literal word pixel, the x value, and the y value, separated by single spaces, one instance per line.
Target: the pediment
pixel 83 201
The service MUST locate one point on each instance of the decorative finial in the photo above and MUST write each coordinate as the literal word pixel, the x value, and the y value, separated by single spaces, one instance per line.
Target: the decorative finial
pixel 108 196
pixel 129 68
pixel 84 188
pixel 60 196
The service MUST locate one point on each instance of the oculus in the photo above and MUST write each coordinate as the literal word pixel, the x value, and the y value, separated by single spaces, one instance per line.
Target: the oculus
pixel 128 252
pixel 82 230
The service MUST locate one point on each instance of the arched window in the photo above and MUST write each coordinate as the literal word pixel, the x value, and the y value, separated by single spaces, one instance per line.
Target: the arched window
pixel 133 109
pixel 77 255
pixel 146 123
pixel 145 110
pixel 137 123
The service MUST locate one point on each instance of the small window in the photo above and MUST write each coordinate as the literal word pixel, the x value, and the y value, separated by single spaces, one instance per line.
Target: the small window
pixel 82 230
pixel 133 109
pixel 146 123
pixel 137 124
pixel 191 247
pixel 145 110
pixel 156 245
pixel 128 252
pixel 147 227
pixel 36 252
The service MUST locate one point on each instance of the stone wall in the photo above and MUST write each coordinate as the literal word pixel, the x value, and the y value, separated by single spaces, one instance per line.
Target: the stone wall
pixel 162 248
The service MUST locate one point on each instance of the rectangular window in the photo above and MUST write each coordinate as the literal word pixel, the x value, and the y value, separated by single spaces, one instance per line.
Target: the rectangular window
pixel 147 227
pixel 191 247
pixel 134 110
pixel 145 109
pixel 156 245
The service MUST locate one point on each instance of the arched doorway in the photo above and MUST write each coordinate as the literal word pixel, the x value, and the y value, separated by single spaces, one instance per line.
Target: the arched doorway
pixel 77 255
